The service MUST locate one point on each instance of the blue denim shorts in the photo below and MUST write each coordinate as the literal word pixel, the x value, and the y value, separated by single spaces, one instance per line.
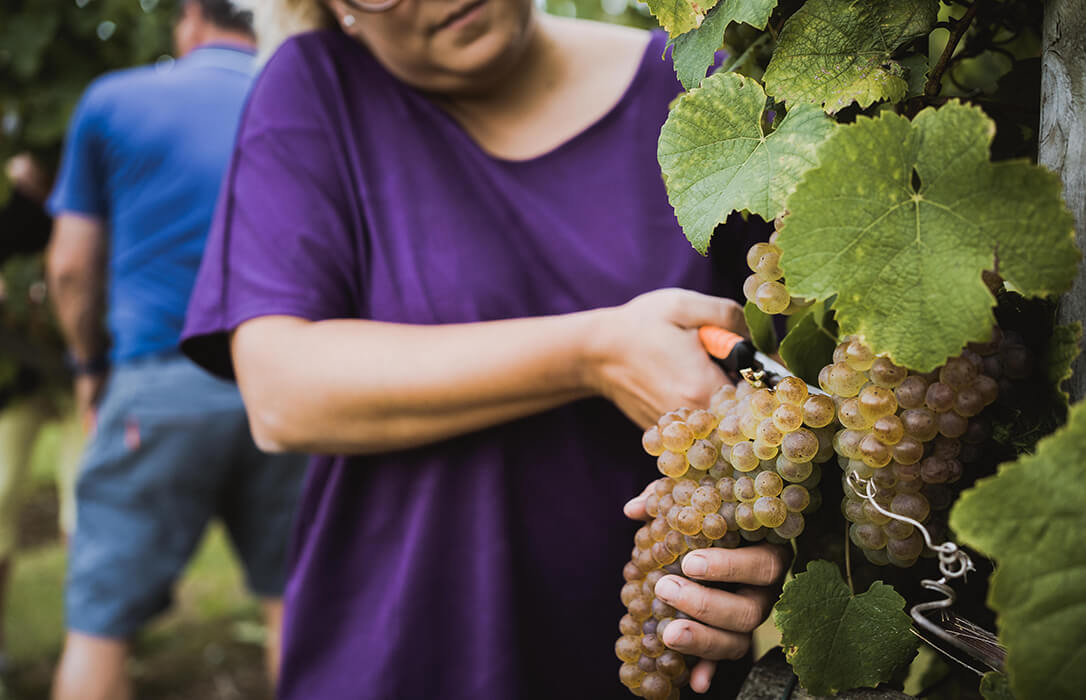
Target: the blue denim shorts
pixel 172 450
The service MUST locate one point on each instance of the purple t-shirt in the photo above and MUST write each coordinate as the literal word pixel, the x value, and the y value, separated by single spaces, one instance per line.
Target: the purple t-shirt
pixel 488 565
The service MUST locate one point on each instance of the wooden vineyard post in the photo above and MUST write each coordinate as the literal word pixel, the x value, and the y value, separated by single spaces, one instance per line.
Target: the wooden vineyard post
pixel 1062 146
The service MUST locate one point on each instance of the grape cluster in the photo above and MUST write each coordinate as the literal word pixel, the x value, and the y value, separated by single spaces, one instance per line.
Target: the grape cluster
pixel 745 469
pixel 910 434
pixel 765 287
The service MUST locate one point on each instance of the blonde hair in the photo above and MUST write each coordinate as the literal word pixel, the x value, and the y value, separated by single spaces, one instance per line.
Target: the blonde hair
pixel 275 21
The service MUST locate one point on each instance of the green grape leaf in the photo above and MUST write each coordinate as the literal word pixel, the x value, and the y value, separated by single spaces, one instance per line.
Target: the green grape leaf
pixel 1062 351
pixel 760 325
pixel 994 686
pixel 679 16
pixel 808 347
pixel 916 67
pixel 899 219
pixel 694 51
pixel 1030 518
pixel 717 157
pixel 836 52
pixel 836 640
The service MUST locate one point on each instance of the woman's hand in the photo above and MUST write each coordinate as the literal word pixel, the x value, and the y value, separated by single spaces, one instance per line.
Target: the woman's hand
pixel 723 621
pixel 645 355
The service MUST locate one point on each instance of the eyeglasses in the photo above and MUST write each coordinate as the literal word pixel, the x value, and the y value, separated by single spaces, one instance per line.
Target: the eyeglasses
pixel 372 5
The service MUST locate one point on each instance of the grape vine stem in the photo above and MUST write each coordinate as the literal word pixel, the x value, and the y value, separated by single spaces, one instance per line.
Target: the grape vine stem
pixel 848 563
pixel 931 88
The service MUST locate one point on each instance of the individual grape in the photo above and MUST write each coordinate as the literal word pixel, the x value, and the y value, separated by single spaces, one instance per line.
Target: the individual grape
pixel 771 297
pixel 750 286
pixel 675 542
pixel 763 450
pixel 640 608
pixel 670 664
pixel 668 418
pixel 647 663
pixel 874 515
pixel 825 445
pixel 630 572
pixel 905 548
pixel 787 417
pixel 631 676
pixel 642 538
pixel 888 430
pixel 898 530
pixel 968 402
pixel 800 446
pixel 631 590
pixel 824 378
pixel 743 457
pixel 920 423
pixel 911 505
pixel 702 455
pixel 939 397
pixel 652 442
pixel 763 403
pixel 684 489
pixel 768 266
pixel 951 425
pixel 706 499
pixel 876 402
pixel 672 464
pixel 655 687
pixel 662 487
pixel 701 423
pixel 908 450
pixel 867 536
pixel 795 498
pixel 714 526
pixel 792 526
pixel 745 518
pixel 858 356
pixel 770 511
pixel 847 443
pixel 769 433
pixel 793 471
pixel 727 511
pixel 818 411
pixel 628 625
pixel 845 381
pixel 873 453
pixel 677 436
pixel 768 484
pixel 988 388
pixel 628 648
pixel 911 392
pixel 726 487
pixel 957 373
pixel 748 424
pixel 662 554
pixel 884 479
pixel 756 251
pixel 945 448
pixel 850 415
pixel 729 431
pixel 853 510
pixel 658 528
pixel 689 520
pixel 745 489
pixel 791 390
pixel 886 374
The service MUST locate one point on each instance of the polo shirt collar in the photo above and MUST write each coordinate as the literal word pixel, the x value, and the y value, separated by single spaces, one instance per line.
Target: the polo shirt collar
pixel 228 56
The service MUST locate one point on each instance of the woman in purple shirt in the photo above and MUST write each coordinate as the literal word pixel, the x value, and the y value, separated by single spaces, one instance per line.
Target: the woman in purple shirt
pixel 433 264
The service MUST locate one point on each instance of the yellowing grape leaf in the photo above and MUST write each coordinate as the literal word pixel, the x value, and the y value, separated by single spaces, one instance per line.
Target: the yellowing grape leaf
pixel 694 51
pixel 836 640
pixel 900 219
pixel 679 16
pixel 1031 517
pixel 835 52
pixel 717 157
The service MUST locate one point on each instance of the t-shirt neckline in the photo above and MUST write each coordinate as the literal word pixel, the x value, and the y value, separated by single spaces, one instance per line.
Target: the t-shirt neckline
pixel 620 104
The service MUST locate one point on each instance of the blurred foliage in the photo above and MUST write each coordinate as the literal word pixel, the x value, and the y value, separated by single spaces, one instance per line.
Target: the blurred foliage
pixel 628 12
pixel 51 49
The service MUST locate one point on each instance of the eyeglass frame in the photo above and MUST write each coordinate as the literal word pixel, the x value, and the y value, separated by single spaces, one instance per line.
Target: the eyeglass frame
pixel 374 7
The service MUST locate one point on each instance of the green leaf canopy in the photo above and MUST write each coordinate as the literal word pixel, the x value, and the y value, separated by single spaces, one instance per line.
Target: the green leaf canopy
pixel 836 52
pixel 1031 518
pixel 835 640
pixel 679 16
pixel 717 157
pixel 694 51
pixel 900 219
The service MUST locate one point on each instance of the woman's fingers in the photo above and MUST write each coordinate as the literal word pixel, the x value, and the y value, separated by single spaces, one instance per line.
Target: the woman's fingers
pixel 741 611
pixel 689 637
pixel 635 507
pixel 695 310
pixel 701 676
pixel 759 565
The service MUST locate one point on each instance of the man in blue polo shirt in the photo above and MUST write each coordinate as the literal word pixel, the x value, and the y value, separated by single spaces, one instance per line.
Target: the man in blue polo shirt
pixel 145 155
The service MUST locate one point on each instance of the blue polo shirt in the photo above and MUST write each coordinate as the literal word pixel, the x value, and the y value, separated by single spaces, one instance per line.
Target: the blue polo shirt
pixel 145 154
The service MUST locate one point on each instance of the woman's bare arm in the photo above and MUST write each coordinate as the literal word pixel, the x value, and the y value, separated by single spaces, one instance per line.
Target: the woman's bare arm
pixel 356 386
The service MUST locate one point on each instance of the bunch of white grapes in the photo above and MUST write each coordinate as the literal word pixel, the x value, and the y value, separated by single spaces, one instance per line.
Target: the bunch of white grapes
pixel 905 432
pixel 743 470
pixel 765 286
